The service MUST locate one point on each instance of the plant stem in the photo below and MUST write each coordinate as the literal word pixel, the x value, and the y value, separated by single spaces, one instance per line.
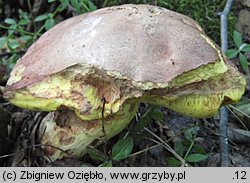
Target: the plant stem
pixel 189 149
pixel 18 30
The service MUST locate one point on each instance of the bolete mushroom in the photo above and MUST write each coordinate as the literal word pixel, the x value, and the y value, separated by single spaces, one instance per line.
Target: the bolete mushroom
pixel 120 56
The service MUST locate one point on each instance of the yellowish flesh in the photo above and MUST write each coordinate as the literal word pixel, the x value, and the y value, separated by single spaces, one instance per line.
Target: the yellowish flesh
pixel 63 90
pixel 194 105
pixel 203 101
pixel 202 73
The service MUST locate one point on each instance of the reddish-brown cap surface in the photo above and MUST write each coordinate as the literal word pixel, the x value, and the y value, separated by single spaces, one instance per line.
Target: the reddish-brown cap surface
pixel 140 42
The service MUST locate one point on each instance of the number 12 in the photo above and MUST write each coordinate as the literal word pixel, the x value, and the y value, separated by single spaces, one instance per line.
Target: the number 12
pixel 240 174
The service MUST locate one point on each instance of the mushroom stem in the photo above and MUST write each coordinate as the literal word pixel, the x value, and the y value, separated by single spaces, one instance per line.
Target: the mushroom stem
pixel 76 134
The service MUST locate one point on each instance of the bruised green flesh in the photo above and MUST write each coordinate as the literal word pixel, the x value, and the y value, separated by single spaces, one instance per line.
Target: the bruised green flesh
pixel 76 135
pixel 63 90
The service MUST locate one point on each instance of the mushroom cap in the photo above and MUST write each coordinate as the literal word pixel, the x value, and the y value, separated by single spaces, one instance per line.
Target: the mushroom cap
pixel 119 53
pixel 148 45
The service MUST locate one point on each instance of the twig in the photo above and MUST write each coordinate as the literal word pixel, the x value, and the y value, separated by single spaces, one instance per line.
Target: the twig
pixel 183 161
pixel 224 148
pixel 145 150
pixel 223 139
pixel 32 146
pixel 223 27
pixel 103 110
pixel 240 121
pixel 239 111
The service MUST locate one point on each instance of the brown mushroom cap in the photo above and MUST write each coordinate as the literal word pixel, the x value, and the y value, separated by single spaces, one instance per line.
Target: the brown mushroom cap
pixel 143 43
pixel 119 53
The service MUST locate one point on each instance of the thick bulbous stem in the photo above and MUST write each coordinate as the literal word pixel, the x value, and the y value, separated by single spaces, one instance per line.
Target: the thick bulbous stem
pixel 63 134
